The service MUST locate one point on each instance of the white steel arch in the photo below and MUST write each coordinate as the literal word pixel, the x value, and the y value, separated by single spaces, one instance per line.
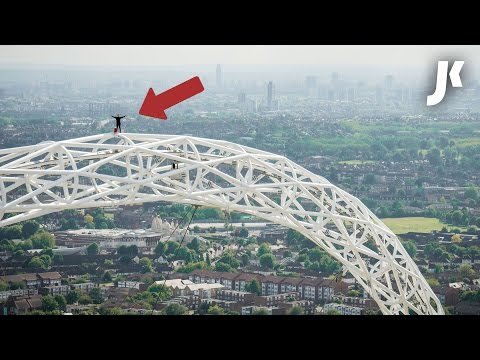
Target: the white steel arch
pixel 106 170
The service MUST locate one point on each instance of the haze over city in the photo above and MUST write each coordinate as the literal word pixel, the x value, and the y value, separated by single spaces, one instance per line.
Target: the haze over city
pixel 354 116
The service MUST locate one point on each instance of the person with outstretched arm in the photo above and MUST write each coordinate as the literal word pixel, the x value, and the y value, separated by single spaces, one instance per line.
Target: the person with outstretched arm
pixel 118 118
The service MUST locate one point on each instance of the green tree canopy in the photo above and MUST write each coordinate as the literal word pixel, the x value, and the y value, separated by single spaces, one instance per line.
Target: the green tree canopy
pixel 411 248
pixel 261 312
pixel 194 245
pixel 175 309
pixel 161 291
pixel 223 267
pixel 96 295
pixel 93 249
pixel 3 285
pixel 264 249
pixel 243 231
pixel 42 240
pixel 107 277
pixel 215 310
pixel 333 312
pixel 267 260
pixel 72 296
pixel 229 258
pixel 49 303
pixel 254 287
pixel 29 228
pixel 35 262
pixel 160 249
pixel 61 302
pixel 467 271
pixel 296 310
pixel 146 264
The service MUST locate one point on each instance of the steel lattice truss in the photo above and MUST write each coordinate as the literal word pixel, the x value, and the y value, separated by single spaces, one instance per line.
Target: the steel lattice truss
pixel 106 170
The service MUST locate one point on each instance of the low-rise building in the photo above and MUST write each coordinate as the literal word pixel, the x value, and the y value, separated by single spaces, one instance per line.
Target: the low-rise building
pixel 242 297
pixel 16 305
pixel 54 290
pixel 133 285
pixel 275 300
pixel 271 285
pixel 4 295
pixel 83 286
pixel 343 309
pixel 34 280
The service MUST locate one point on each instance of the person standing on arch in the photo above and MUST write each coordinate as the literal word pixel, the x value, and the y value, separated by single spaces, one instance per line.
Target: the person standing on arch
pixel 118 125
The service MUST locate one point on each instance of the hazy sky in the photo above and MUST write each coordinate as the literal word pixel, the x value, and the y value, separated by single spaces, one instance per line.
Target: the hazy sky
pixel 147 55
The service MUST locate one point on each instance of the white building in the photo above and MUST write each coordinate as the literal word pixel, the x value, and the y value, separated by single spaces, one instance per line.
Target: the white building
pixel 114 238
pixel 343 309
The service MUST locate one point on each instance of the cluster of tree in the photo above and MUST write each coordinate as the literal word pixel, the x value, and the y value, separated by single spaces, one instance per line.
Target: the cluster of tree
pixel 93 249
pixel 204 213
pixel 265 256
pixel 52 304
pixel 72 219
pixel 154 294
pixel 472 296
pixel 171 250
pixel 146 264
pixel 472 251
pixel 411 248
pixel 435 251
pixel 33 237
pixel 396 209
pixel 43 261
pixel 296 240
pixel 127 251
pixel 461 218
pixel 96 219
pixel 467 272
pixel 318 260
pixel 199 265
pixel 254 287
pixel 175 309
pixel 227 262
pixel 94 296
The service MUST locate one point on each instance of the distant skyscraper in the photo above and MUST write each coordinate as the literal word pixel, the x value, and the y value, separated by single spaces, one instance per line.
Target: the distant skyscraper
pixel 311 84
pixel 219 76
pixel 351 94
pixel 335 78
pixel 388 82
pixel 251 105
pixel 242 98
pixel 406 95
pixel 331 95
pixel 270 94
pixel 379 95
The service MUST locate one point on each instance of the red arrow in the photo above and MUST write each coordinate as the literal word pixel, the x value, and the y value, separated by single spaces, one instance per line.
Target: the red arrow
pixel 155 105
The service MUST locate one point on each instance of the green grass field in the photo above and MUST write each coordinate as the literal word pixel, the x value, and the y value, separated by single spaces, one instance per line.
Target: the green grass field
pixel 415 224
pixel 469 141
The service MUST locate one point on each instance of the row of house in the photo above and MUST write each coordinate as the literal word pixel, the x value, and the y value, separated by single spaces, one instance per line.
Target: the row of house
pixel 314 289
pixel 33 280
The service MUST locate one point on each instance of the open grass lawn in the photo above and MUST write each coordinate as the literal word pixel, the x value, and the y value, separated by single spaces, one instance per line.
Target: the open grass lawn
pixel 468 141
pixel 416 224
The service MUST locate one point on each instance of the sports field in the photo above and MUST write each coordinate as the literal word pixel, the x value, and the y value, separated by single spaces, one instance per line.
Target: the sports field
pixel 415 224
